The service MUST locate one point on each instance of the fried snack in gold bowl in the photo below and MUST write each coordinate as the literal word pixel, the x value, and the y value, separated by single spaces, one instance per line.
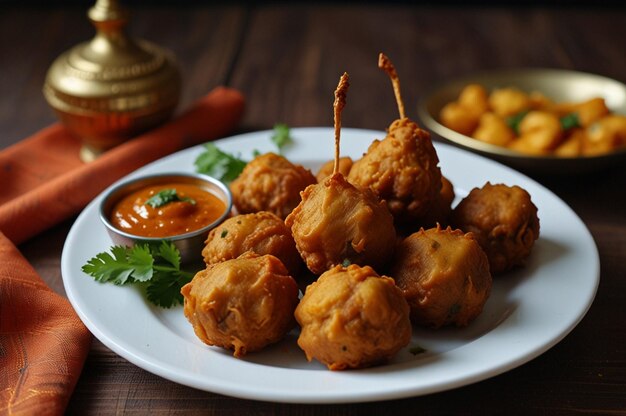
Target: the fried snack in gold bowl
pixel 532 124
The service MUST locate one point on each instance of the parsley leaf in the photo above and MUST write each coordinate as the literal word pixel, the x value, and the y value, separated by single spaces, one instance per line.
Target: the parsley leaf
pixel 281 136
pixel 219 164
pixel 157 266
pixel 166 196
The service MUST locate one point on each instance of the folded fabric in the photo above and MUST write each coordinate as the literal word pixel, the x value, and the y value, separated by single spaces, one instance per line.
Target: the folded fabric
pixel 43 343
pixel 49 184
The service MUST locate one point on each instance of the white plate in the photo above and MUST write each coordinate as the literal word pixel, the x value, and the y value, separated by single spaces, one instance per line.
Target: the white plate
pixel 528 312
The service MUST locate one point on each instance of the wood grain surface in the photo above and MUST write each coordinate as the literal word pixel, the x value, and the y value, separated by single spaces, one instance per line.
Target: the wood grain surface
pixel 286 58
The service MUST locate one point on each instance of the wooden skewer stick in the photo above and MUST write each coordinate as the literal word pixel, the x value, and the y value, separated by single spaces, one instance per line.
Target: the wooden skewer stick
pixel 340 102
pixel 385 64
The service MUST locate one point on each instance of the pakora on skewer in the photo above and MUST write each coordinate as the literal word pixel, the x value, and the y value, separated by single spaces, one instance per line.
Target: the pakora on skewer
pixel 401 169
pixel 337 222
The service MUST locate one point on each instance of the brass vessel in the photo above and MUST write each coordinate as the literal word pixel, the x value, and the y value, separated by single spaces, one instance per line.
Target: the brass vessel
pixel 112 88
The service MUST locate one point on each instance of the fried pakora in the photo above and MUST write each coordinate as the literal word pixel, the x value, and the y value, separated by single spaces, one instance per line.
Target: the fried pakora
pixel 271 183
pixel 504 221
pixel 345 164
pixel 441 207
pixel 243 304
pixel 401 169
pixel 337 222
pixel 444 276
pixel 533 124
pixel 352 318
pixel 260 232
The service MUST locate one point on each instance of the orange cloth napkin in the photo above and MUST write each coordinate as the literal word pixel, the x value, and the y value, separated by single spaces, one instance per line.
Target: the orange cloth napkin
pixel 47 183
pixel 43 344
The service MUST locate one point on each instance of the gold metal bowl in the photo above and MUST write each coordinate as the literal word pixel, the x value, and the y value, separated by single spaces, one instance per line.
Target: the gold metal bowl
pixel 189 244
pixel 558 85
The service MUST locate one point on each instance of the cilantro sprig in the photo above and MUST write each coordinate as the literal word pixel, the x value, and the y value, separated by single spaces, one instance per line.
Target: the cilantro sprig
pixel 514 121
pixel 219 164
pixel 281 136
pixel 569 121
pixel 157 267
pixel 166 196
pixel 227 166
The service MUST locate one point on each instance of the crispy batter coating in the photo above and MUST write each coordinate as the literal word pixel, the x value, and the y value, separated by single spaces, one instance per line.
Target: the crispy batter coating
pixel 336 222
pixel 270 183
pixel 352 318
pixel 402 170
pixel 243 304
pixel 440 209
pixel 504 221
pixel 261 233
pixel 444 276
pixel 345 164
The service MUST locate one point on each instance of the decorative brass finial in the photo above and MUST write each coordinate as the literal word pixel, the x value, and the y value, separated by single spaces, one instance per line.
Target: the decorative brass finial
pixel 113 87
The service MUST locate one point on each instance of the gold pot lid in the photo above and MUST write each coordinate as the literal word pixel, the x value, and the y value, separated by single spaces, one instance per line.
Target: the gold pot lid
pixel 112 88
pixel 112 72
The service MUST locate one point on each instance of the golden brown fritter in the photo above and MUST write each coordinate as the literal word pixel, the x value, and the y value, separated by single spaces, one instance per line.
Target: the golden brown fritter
pixel 352 318
pixel 337 222
pixel 261 233
pixel 270 183
pixel 444 276
pixel 402 170
pixel 441 207
pixel 243 304
pixel 345 164
pixel 504 221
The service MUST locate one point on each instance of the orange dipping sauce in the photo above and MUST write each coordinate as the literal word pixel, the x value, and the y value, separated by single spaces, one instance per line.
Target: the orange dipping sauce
pixel 132 215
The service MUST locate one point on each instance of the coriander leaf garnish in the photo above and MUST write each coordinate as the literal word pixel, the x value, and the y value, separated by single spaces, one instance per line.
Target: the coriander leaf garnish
pixel 219 164
pixel 157 267
pixel 125 265
pixel 170 254
pixel 514 121
pixel 570 121
pixel 166 196
pixel 164 288
pixel 281 136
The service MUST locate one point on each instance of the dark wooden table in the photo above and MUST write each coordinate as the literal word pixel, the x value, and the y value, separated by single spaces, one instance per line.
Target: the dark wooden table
pixel 286 59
